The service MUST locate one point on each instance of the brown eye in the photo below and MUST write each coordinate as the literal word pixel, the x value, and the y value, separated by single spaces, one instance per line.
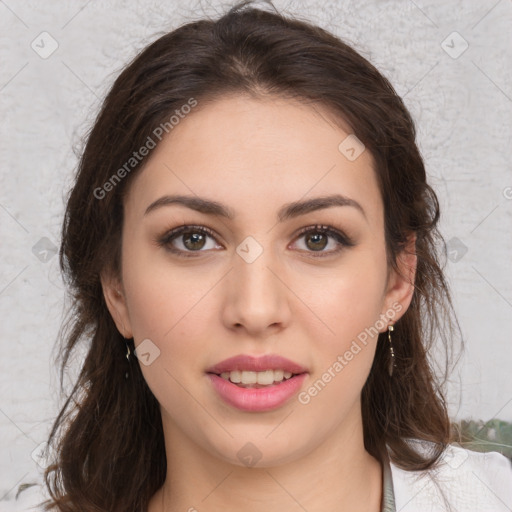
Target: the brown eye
pixel 186 240
pixel 193 241
pixel 317 238
pixel 316 241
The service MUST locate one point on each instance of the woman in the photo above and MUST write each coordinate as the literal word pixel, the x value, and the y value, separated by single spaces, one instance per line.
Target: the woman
pixel 252 250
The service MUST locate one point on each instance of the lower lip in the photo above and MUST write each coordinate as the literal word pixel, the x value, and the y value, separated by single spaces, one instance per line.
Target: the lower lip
pixel 257 399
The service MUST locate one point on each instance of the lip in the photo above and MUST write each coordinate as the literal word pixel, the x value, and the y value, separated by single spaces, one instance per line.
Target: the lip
pixel 256 364
pixel 257 399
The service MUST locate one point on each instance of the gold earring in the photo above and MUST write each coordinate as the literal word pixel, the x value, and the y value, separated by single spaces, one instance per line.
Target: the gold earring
pixel 392 358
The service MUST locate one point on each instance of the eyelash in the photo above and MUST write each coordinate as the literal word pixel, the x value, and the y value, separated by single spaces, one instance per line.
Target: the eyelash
pixel 342 239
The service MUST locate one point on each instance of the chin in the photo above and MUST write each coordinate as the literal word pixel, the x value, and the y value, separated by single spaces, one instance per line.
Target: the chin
pixel 259 449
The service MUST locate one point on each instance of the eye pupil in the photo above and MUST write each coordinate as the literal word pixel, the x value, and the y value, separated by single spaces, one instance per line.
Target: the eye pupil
pixel 316 238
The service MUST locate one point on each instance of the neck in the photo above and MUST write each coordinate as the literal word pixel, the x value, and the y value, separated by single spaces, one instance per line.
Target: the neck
pixel 338 474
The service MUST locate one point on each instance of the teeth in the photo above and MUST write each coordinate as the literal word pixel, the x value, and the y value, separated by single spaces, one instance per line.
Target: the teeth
pixel 235 376
pixel 265 378
pixel 279 374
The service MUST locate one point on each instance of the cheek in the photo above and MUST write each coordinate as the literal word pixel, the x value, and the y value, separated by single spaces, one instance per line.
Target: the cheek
pixel 344 357
pixel 160 297
pixel 352 296
pixel 171 309
pixel 350 303
pixel 173 320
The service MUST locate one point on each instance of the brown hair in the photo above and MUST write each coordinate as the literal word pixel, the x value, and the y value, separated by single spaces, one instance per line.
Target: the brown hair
pixel 110 455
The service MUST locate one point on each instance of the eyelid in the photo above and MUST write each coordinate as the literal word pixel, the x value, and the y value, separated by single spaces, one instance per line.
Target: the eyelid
pixel 330 230
pixel 173 233
pixel 169 235
pixel 343 240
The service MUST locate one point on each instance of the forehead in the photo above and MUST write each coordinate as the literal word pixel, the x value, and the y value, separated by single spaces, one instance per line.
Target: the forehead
pixel 239 149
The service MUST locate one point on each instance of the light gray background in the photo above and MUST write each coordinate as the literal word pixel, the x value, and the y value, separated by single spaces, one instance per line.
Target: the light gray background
pixel 462 103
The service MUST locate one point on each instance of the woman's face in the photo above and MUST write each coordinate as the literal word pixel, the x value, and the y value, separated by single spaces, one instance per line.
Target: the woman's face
pixel 253 284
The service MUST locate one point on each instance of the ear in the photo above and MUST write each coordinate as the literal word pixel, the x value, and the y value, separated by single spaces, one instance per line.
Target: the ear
pixel 116 302
pixel 400 285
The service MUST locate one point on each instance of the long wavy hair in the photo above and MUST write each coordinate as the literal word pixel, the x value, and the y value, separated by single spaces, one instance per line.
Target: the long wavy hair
pixel 107 441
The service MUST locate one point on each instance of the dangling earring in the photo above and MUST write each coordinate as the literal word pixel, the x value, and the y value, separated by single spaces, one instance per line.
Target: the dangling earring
pixel 127 356
pixel 392 359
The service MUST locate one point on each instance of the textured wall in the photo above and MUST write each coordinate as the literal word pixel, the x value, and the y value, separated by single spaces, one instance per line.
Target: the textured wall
pixel 451 61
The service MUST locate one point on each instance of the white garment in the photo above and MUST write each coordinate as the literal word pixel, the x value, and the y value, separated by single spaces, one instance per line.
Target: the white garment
pixel 471 482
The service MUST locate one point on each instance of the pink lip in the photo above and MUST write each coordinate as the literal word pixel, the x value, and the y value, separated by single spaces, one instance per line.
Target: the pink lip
pixel 257 399
pixel 256 364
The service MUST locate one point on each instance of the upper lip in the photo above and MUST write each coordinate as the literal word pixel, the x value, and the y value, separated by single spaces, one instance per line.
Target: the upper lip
pixel 256 364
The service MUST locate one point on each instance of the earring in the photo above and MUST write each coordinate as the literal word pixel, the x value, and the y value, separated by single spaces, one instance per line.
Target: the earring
pixel 127 356
pixel 392 359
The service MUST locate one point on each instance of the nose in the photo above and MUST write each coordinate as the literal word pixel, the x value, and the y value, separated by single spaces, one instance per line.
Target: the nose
pixel 256 296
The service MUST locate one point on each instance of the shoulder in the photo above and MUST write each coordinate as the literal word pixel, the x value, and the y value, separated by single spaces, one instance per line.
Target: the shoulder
pixel 468 480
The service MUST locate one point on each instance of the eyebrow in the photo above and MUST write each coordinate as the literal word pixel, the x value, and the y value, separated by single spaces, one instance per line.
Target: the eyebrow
pixel 287 211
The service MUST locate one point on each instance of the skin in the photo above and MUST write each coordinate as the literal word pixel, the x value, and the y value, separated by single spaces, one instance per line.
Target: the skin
pixel 255 155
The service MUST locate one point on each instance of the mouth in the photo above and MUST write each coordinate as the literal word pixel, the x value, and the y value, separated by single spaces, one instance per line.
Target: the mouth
pixel 257 384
